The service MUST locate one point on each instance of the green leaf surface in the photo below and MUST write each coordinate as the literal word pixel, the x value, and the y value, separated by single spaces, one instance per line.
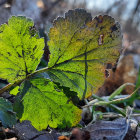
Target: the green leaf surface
pixel 80 48
pixel 44 104
pixel 138 80
pixel 7 116
pixel 15 90
pixel 20 49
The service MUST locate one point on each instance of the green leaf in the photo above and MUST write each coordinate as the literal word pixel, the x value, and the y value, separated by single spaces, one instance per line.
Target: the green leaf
pixel 138 80
pixel 7 116
pixel 15 90
pixel 119 90
pixel 136 94
pixel 20 49
pixel 80 48
pixel 44 104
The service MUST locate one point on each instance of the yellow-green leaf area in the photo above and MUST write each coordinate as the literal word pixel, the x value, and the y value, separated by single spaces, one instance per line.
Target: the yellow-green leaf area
pixel 20 48
pixel 79 52
pixel 15 90
pixel 44 104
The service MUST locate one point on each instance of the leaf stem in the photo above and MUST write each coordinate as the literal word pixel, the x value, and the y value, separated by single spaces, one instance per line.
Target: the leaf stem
pixel 119 90
pixel 102 102
pixel 38 71
pixel 116 101
pixel 5 88
pixel 110 105
pixel 18 82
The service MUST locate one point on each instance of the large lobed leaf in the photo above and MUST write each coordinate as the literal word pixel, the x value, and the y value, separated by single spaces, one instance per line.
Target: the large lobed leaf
pixel 80 47
pixel 7 116
pixel 20 49
pixel 44 104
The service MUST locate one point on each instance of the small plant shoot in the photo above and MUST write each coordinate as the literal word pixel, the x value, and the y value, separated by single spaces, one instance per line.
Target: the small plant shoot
pixel 80 47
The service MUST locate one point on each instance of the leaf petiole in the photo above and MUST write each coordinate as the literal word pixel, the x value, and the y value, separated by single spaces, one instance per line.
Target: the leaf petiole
pixel 18 82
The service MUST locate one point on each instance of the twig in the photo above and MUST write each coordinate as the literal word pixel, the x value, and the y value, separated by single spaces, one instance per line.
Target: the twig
pixel 87 103
pixel 111 115
pixel 102 102
pixel 105 98
pixel 119 90
pixel 99 99
pixel 114 115
pixel 129 111
pixel 116 101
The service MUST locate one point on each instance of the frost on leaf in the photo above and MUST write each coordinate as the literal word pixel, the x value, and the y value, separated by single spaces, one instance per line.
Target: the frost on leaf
pixel 80 47
pixel 7 116
pixel 20 49
pixel 44 104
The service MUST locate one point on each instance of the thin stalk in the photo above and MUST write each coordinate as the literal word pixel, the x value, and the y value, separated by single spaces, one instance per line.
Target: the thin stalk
pixel 38 71
pixel 114 115
pixel 117 109
pixel 119 90
pixel 18 82
pixel 121 100
pixel 111 115
pixel 110 105
pixel 102 102
pixel 136 111
pixel 5 88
